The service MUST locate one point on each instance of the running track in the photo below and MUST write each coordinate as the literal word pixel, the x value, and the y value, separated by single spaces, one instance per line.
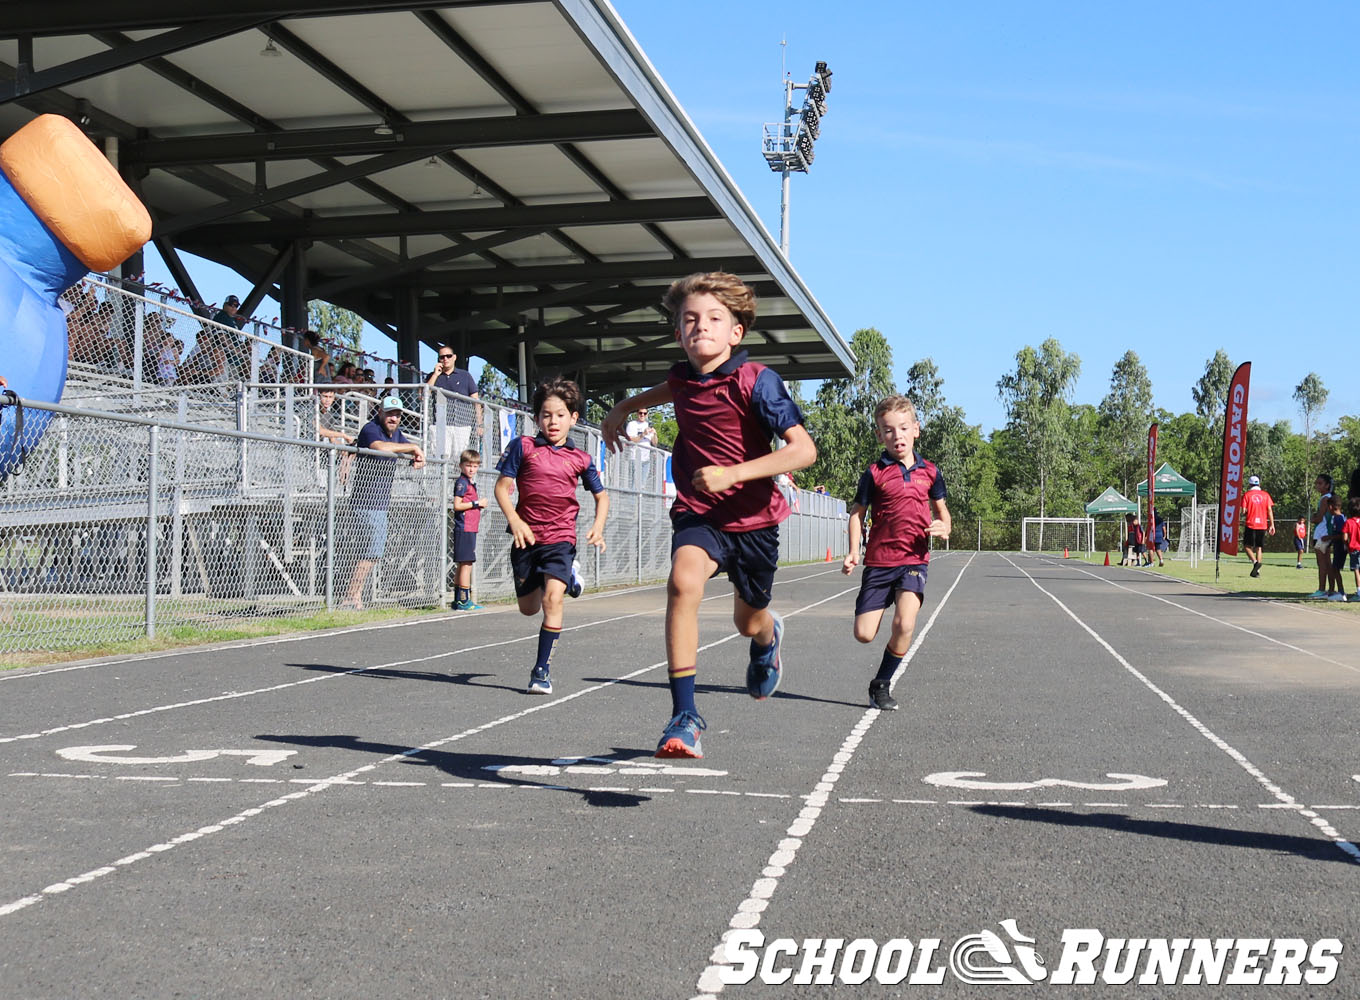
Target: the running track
pixel 1077 747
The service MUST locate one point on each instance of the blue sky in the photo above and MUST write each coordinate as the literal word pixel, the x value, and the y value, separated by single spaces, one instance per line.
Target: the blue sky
pixel 1171 178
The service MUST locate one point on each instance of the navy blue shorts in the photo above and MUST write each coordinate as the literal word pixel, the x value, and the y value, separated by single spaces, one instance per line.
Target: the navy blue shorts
pixel 465 546
pixel 1339 553
pixel 880 585
pixel 533 565
pixel 748 558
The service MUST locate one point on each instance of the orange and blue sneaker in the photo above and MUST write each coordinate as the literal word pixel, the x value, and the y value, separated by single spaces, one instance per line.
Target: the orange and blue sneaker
pixel 764 670
pixel 681 736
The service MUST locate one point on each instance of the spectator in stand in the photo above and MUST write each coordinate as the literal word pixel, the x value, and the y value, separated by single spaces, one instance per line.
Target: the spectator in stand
pixel 81 318
pixel 459 415
pixel 819 488
pixel 328 418
pixel 346 375
pixel 321 367
pixel 372 496
pixel 230 313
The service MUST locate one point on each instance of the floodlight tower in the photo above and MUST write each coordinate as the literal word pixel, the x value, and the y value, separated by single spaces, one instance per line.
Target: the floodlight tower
pixel 787 145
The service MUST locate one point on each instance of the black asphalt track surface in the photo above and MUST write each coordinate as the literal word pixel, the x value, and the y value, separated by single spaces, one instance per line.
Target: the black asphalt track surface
pixel 1077 748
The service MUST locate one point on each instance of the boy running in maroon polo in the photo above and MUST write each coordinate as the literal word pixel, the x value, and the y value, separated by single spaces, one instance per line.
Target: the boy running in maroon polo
pixel 906 493
pixel 545 469
pixel 727 510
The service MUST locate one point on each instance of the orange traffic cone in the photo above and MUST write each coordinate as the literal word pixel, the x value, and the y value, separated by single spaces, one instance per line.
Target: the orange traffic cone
pixel 1065 555
pixel 828 553
pixel 1107 558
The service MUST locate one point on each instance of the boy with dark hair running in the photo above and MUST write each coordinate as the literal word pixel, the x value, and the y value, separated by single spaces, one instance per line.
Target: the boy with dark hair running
pixel 545 469
pixel 907 494
pixel 728 509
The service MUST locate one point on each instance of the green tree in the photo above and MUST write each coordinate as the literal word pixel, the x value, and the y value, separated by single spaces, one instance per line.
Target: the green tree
pixel 1125 414
pixel 925 388
pixel 1038 417
pixel 1311 395
pixel 344 329
pixel 493 384
pixel 840 418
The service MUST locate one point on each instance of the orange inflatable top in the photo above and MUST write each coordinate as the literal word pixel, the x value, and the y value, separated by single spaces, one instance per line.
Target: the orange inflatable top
pixel 76 192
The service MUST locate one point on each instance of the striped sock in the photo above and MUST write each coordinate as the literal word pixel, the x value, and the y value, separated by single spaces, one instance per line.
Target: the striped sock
pixel 547 642
pixel 891 661
pixel 682 690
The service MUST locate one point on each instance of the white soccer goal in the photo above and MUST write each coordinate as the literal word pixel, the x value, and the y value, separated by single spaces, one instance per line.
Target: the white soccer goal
pixel 1199 525
pixel 1056 534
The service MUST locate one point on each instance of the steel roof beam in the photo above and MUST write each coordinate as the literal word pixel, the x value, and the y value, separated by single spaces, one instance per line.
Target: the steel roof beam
pixel 419 138
pixel 73 17
pixel 590 213
pixel 620 270
pixel 118 57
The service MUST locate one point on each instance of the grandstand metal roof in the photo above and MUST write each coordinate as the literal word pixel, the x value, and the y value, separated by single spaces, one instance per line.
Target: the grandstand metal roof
pixel 513 170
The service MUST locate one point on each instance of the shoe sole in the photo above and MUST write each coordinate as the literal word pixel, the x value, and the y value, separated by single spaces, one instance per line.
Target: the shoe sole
pixel 892 707
pixel 676 747
pixel 539 689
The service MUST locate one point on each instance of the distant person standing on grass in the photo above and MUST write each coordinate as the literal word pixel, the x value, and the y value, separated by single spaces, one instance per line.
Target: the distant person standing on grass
pixel 1321 529
pixel 1258 515
pixel 1300 541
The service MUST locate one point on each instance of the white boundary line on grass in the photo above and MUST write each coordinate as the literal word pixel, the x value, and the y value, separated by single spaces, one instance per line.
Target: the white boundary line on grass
pixel 57 888
pixel 344 673
pixel 20 672
pixel 748 912
pixel 1275 790
pixel 1202 614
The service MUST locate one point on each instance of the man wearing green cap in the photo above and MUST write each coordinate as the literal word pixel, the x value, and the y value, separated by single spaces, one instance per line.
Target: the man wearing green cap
pixel 373 489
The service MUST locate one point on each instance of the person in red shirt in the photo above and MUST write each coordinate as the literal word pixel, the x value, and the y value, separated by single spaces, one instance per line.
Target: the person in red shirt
pixel 1350 531
pixel 1258 520
pixel 907 495
pixel 1133 542
pixel 727 510
pixel 1300 541
pixel 545 469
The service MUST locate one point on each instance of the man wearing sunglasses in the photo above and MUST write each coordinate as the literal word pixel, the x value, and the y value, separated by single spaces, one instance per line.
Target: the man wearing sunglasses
pixel 460 415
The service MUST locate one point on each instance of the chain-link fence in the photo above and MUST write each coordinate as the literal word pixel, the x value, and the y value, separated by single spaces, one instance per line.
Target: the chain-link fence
pixel 122 525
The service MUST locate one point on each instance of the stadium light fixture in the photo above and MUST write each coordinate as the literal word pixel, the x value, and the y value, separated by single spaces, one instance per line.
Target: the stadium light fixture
pixel 788 145
pixel 270 51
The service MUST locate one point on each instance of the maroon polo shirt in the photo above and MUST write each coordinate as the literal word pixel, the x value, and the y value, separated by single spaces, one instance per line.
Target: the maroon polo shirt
pixel 545 476
pixel 899 496
pixel 727 417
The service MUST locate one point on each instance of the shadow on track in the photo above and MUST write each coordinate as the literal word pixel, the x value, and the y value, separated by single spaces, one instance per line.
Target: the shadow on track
pixel 724 689
pixel 467 766
pixel 1311 848
pixel 409 675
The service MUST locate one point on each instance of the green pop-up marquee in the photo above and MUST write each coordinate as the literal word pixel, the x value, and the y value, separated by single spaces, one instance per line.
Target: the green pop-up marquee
pixel 1170 483
pixel 1112 502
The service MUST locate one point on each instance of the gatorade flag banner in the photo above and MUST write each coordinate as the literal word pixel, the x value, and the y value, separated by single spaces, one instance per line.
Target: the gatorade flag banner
pixel 1152 479
pixel 1234 451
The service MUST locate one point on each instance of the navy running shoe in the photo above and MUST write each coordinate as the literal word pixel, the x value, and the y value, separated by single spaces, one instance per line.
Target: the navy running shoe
pixel 576 585
pixel 681 736
pixel 539 681
pixel 763 672
pixel 880 696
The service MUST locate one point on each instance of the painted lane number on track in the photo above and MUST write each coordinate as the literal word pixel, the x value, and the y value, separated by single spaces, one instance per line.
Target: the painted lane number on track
pixel 972 781
pixel 112 754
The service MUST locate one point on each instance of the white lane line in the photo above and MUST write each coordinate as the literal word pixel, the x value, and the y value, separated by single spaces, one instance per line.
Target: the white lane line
pixel 228 696
pixel 274 640
pixel 348 777
pixel 1201 614
pixel 1275 790
pixel 748 912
